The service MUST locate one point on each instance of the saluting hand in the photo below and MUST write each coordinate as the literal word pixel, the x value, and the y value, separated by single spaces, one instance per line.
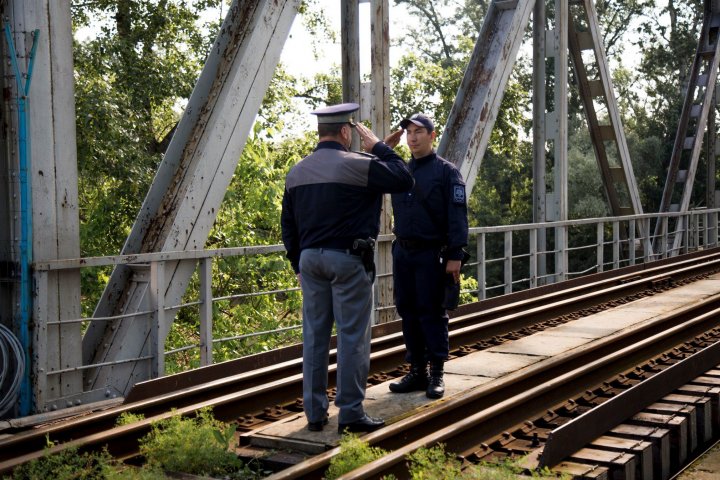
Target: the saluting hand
pixel 394 138
pixel 367 138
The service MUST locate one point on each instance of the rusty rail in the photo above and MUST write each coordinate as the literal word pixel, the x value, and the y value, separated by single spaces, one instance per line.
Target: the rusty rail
pixel 277 380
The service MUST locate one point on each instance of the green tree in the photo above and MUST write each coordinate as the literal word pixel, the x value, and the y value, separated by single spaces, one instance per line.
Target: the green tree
pixel 140 62
pixel 668 40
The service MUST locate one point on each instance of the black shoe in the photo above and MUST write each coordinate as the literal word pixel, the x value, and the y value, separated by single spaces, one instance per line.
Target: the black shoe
pixel 436 387
pixel 416 380
pixel 318 426
pixel 365 424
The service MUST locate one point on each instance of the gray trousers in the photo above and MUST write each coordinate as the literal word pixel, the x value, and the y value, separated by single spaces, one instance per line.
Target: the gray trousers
pixel 336 289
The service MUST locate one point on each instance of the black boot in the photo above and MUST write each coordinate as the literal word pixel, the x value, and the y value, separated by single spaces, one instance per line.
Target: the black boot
pixel 416 380
pixel 436 386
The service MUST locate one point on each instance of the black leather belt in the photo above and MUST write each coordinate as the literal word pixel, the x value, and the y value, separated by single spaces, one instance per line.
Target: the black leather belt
pixel 348 251
pixel 417 244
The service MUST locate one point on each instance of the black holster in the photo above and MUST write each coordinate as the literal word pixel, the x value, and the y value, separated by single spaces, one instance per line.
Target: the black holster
pixel 366 249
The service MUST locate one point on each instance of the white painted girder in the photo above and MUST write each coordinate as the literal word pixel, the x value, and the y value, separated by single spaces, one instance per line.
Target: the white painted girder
pixel 467 133
pixel 612 105
pixel 183 201
pixel 52 175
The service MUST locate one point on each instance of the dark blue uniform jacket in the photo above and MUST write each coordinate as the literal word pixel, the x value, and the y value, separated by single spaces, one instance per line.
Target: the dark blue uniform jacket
pixel 333 197
pixel 440 182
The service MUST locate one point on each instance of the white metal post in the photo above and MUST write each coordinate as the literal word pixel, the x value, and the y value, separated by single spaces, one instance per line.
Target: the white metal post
pixel 157 328
pixel 53 177
pixel 631 242
pixel 533 259
pixel 481 272
pixel 560 168
pixel 616 244
pixel 508 243
pixel 599 246
pixel 539 137
pixel 647 247
pixel 206 311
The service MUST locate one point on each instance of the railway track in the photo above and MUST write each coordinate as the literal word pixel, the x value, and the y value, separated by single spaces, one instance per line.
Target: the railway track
pixel 468 422
pixel 271 389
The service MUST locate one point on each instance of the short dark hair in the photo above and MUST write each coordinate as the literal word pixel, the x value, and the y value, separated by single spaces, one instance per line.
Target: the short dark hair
pixel 330 129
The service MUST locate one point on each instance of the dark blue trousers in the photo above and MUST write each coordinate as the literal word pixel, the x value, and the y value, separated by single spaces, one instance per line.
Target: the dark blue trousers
pixel 419 289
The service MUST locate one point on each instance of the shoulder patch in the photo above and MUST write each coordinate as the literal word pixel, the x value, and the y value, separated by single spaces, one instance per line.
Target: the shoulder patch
pixel 458 192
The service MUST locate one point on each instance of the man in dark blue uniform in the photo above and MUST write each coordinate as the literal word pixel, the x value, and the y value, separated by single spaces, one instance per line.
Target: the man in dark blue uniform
pixel 330 216
pixel 430 218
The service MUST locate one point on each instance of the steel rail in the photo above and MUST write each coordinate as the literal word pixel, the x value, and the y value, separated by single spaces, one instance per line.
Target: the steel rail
pixel 249 392
pixel 465 421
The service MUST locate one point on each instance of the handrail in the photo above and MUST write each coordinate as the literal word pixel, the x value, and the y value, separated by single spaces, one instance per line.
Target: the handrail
pixel 507 259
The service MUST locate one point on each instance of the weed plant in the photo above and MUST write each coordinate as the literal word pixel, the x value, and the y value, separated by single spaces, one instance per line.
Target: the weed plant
pixel 433 464
pixel 429 464
pixel 354 453
pixel 68 464
pixel 126 418
pixel 198 446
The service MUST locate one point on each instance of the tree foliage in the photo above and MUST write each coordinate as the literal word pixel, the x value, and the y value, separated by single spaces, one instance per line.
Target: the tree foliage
pixel 139 61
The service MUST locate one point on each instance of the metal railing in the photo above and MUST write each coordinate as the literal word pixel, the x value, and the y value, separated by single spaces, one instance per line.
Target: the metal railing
pixel 506 259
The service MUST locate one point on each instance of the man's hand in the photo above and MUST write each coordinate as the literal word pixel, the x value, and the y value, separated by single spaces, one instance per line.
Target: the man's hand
pixel 453 267
pixel 367 138
pixel 394 138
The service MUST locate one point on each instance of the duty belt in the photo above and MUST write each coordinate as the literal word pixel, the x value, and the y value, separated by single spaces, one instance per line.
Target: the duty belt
pixel 418 244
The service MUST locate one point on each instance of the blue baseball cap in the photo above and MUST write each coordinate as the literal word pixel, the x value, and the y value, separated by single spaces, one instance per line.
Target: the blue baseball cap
pixel 341 113
pixel 419 119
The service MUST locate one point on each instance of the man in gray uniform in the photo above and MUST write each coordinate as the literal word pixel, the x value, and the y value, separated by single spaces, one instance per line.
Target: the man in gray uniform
pixel 330 218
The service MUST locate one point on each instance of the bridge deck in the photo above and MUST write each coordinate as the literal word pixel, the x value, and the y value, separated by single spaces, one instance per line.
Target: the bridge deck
pixel 479 368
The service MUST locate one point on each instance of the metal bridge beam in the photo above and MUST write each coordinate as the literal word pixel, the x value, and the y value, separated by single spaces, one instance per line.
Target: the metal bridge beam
pixel 52 179
pixel 183 201
pixel 699 99
pixel 467 133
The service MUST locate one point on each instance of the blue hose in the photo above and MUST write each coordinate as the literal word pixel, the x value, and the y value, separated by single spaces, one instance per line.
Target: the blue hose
pixel 26 232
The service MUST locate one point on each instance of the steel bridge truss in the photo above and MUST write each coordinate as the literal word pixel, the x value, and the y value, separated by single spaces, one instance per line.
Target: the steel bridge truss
pixel 698 108
pixel 125 340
